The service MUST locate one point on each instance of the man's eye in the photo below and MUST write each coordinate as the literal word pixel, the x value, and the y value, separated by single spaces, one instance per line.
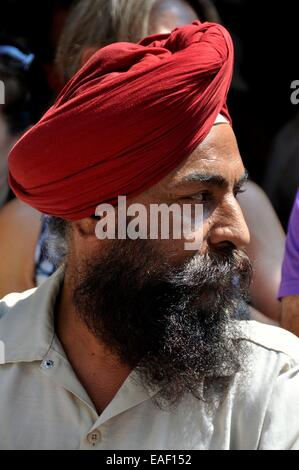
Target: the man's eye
pixel 202 197
pixel 239 191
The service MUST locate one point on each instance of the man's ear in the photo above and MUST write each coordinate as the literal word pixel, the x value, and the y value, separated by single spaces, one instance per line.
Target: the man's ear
pixel 86 228
pixel 87 53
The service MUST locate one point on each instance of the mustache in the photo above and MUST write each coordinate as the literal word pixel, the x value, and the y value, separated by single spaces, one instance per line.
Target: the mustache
pixel 216 273
pixel 213 268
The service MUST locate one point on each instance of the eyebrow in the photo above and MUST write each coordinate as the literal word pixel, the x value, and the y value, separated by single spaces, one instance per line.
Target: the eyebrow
pixel 212 179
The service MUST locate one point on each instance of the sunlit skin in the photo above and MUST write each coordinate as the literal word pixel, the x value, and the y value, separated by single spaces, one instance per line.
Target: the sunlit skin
pixel 218 160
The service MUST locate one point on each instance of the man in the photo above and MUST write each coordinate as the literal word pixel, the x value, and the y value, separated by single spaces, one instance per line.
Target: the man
pixel 134 343
pixel 289 288
pixel 84 33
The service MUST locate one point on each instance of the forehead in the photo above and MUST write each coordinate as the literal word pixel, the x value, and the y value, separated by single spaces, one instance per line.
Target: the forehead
pixel 217 154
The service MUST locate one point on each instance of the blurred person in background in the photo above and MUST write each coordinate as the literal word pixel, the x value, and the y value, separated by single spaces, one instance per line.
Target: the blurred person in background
pixel 98 23
pixel 282 175
pixel 19 223
pixel 95 23
pixel 15 112
pixel 289 288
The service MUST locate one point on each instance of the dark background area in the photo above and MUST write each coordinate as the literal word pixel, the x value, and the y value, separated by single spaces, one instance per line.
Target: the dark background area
pixel 268 32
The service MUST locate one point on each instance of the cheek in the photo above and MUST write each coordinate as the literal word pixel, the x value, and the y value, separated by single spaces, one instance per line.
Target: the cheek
pixel 176 251
pixel 197 225
pixel 172 251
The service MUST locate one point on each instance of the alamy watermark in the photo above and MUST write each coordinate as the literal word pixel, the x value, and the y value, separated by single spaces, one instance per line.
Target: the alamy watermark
pixel 295 94
pixel 2 352
pixel 153 222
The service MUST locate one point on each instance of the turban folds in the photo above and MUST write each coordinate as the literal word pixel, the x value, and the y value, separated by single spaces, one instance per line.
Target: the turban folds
pixel 125 120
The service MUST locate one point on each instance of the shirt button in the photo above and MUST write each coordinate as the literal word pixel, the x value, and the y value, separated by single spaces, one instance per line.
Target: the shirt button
pixel 48 364
pixel 93 437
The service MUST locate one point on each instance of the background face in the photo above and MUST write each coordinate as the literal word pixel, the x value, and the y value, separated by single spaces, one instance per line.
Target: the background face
pixel 167 14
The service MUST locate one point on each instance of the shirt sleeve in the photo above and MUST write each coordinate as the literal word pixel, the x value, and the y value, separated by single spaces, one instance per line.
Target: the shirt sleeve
pixel 281 424
pixel 290 268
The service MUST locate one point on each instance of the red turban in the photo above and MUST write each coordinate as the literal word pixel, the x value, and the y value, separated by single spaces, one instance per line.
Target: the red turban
pixel 125 120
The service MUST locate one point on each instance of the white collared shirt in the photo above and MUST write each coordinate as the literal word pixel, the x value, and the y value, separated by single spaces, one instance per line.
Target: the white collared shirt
pixel 44 406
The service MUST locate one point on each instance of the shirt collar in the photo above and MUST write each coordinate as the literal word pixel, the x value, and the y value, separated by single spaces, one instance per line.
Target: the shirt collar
pixel 27 326
pixel 27 329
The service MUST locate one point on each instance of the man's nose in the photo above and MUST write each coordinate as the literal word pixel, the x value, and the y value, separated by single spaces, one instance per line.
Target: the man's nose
pixel 229 226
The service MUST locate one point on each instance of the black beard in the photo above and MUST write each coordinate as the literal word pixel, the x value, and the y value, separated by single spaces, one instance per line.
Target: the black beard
pixel 175 324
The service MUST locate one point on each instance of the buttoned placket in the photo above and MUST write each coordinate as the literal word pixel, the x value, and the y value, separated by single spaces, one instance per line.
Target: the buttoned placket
pixel 57 367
